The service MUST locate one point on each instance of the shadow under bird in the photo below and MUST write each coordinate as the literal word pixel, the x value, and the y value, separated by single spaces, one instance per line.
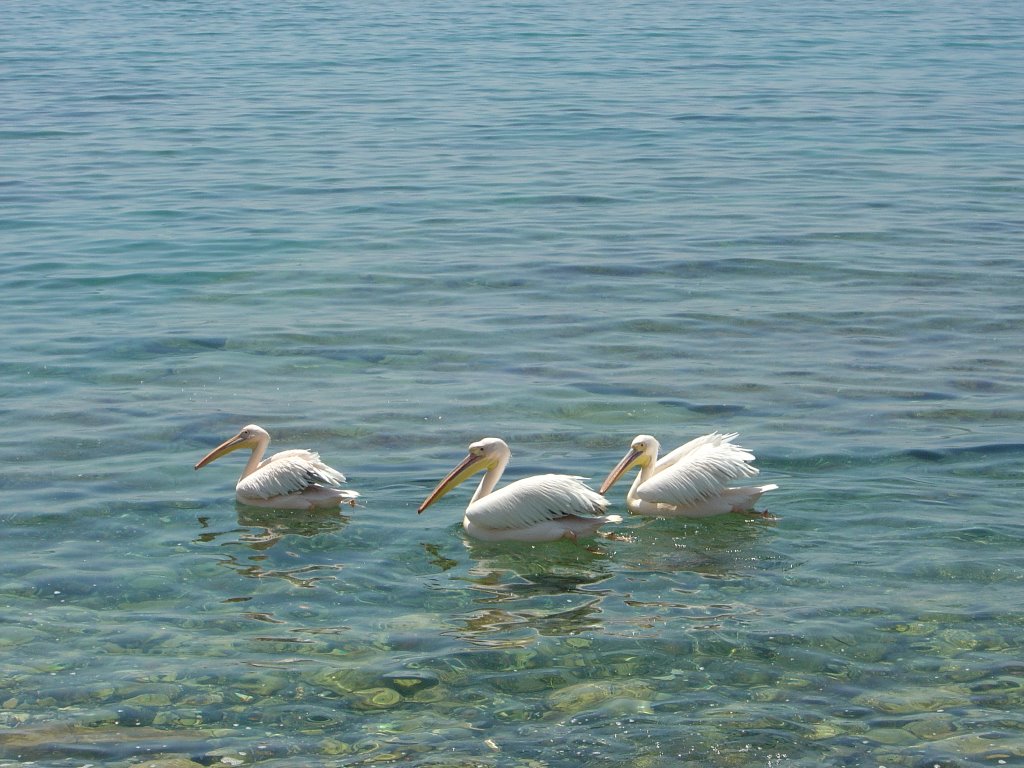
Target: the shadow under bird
pixel 534 509
pixel 295 479
pixel 691 481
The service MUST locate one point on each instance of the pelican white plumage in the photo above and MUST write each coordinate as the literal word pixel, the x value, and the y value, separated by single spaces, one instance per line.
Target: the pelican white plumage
pixel 691 481
pixel 534 509
pixel 295 479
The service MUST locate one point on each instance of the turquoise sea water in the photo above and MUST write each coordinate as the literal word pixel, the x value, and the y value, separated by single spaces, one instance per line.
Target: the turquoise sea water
pixel 383 233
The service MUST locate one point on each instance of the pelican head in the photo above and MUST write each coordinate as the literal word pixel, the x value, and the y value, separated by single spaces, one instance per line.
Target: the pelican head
pixel 642 451
pixel 250 437
pixel 486 454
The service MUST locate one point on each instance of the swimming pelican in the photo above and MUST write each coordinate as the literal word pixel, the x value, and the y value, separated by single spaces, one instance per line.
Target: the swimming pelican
pixel 295 479
pixel 691 480
pixel 540 508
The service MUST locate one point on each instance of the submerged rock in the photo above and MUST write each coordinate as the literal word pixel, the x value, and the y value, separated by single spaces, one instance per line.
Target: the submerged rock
pixel 991 749
pixel 932 727
pixel 531 681
pixel 148 700
pixel 178 718
pixel 377 698
pixel 342 681
pixel 822 731
pixel 335 747
pixel 583 696
pixel 893 737
pixel 905 701
pixel 408 682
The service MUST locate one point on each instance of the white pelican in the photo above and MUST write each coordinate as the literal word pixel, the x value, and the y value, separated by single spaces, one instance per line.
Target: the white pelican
pixel 295 479
pixel 540 508
pixel 691 481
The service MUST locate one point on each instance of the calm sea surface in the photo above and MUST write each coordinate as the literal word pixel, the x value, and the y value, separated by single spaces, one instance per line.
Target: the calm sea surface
pixel 383 233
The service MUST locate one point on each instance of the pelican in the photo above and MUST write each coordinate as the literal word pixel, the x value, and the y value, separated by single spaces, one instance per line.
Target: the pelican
pixel 691 481
pixel 540 508
pixel 295 479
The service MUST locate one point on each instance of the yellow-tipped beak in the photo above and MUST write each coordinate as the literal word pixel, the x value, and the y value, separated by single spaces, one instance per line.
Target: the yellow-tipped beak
pixel 229 445
pixel 467 467
pixel 627 463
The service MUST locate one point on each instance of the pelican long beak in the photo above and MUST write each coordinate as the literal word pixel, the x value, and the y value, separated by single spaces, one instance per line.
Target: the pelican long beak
pixel 467 467
pixel 229 445
pixel 628 462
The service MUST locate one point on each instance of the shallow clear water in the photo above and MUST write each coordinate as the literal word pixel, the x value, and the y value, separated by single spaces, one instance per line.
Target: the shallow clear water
pixel 385 233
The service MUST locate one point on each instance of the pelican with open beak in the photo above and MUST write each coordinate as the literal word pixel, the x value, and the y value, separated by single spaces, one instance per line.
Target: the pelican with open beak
pixel 295 479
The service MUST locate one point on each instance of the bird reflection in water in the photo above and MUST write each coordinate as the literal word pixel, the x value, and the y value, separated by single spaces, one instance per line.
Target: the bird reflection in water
pixel 269 526
pixel 519 596
pixel 716 548
pixel 261 529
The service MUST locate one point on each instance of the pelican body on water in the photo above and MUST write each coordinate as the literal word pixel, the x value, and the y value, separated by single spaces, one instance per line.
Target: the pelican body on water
pixel 691 481
pixel 295 479
pixel 534 509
